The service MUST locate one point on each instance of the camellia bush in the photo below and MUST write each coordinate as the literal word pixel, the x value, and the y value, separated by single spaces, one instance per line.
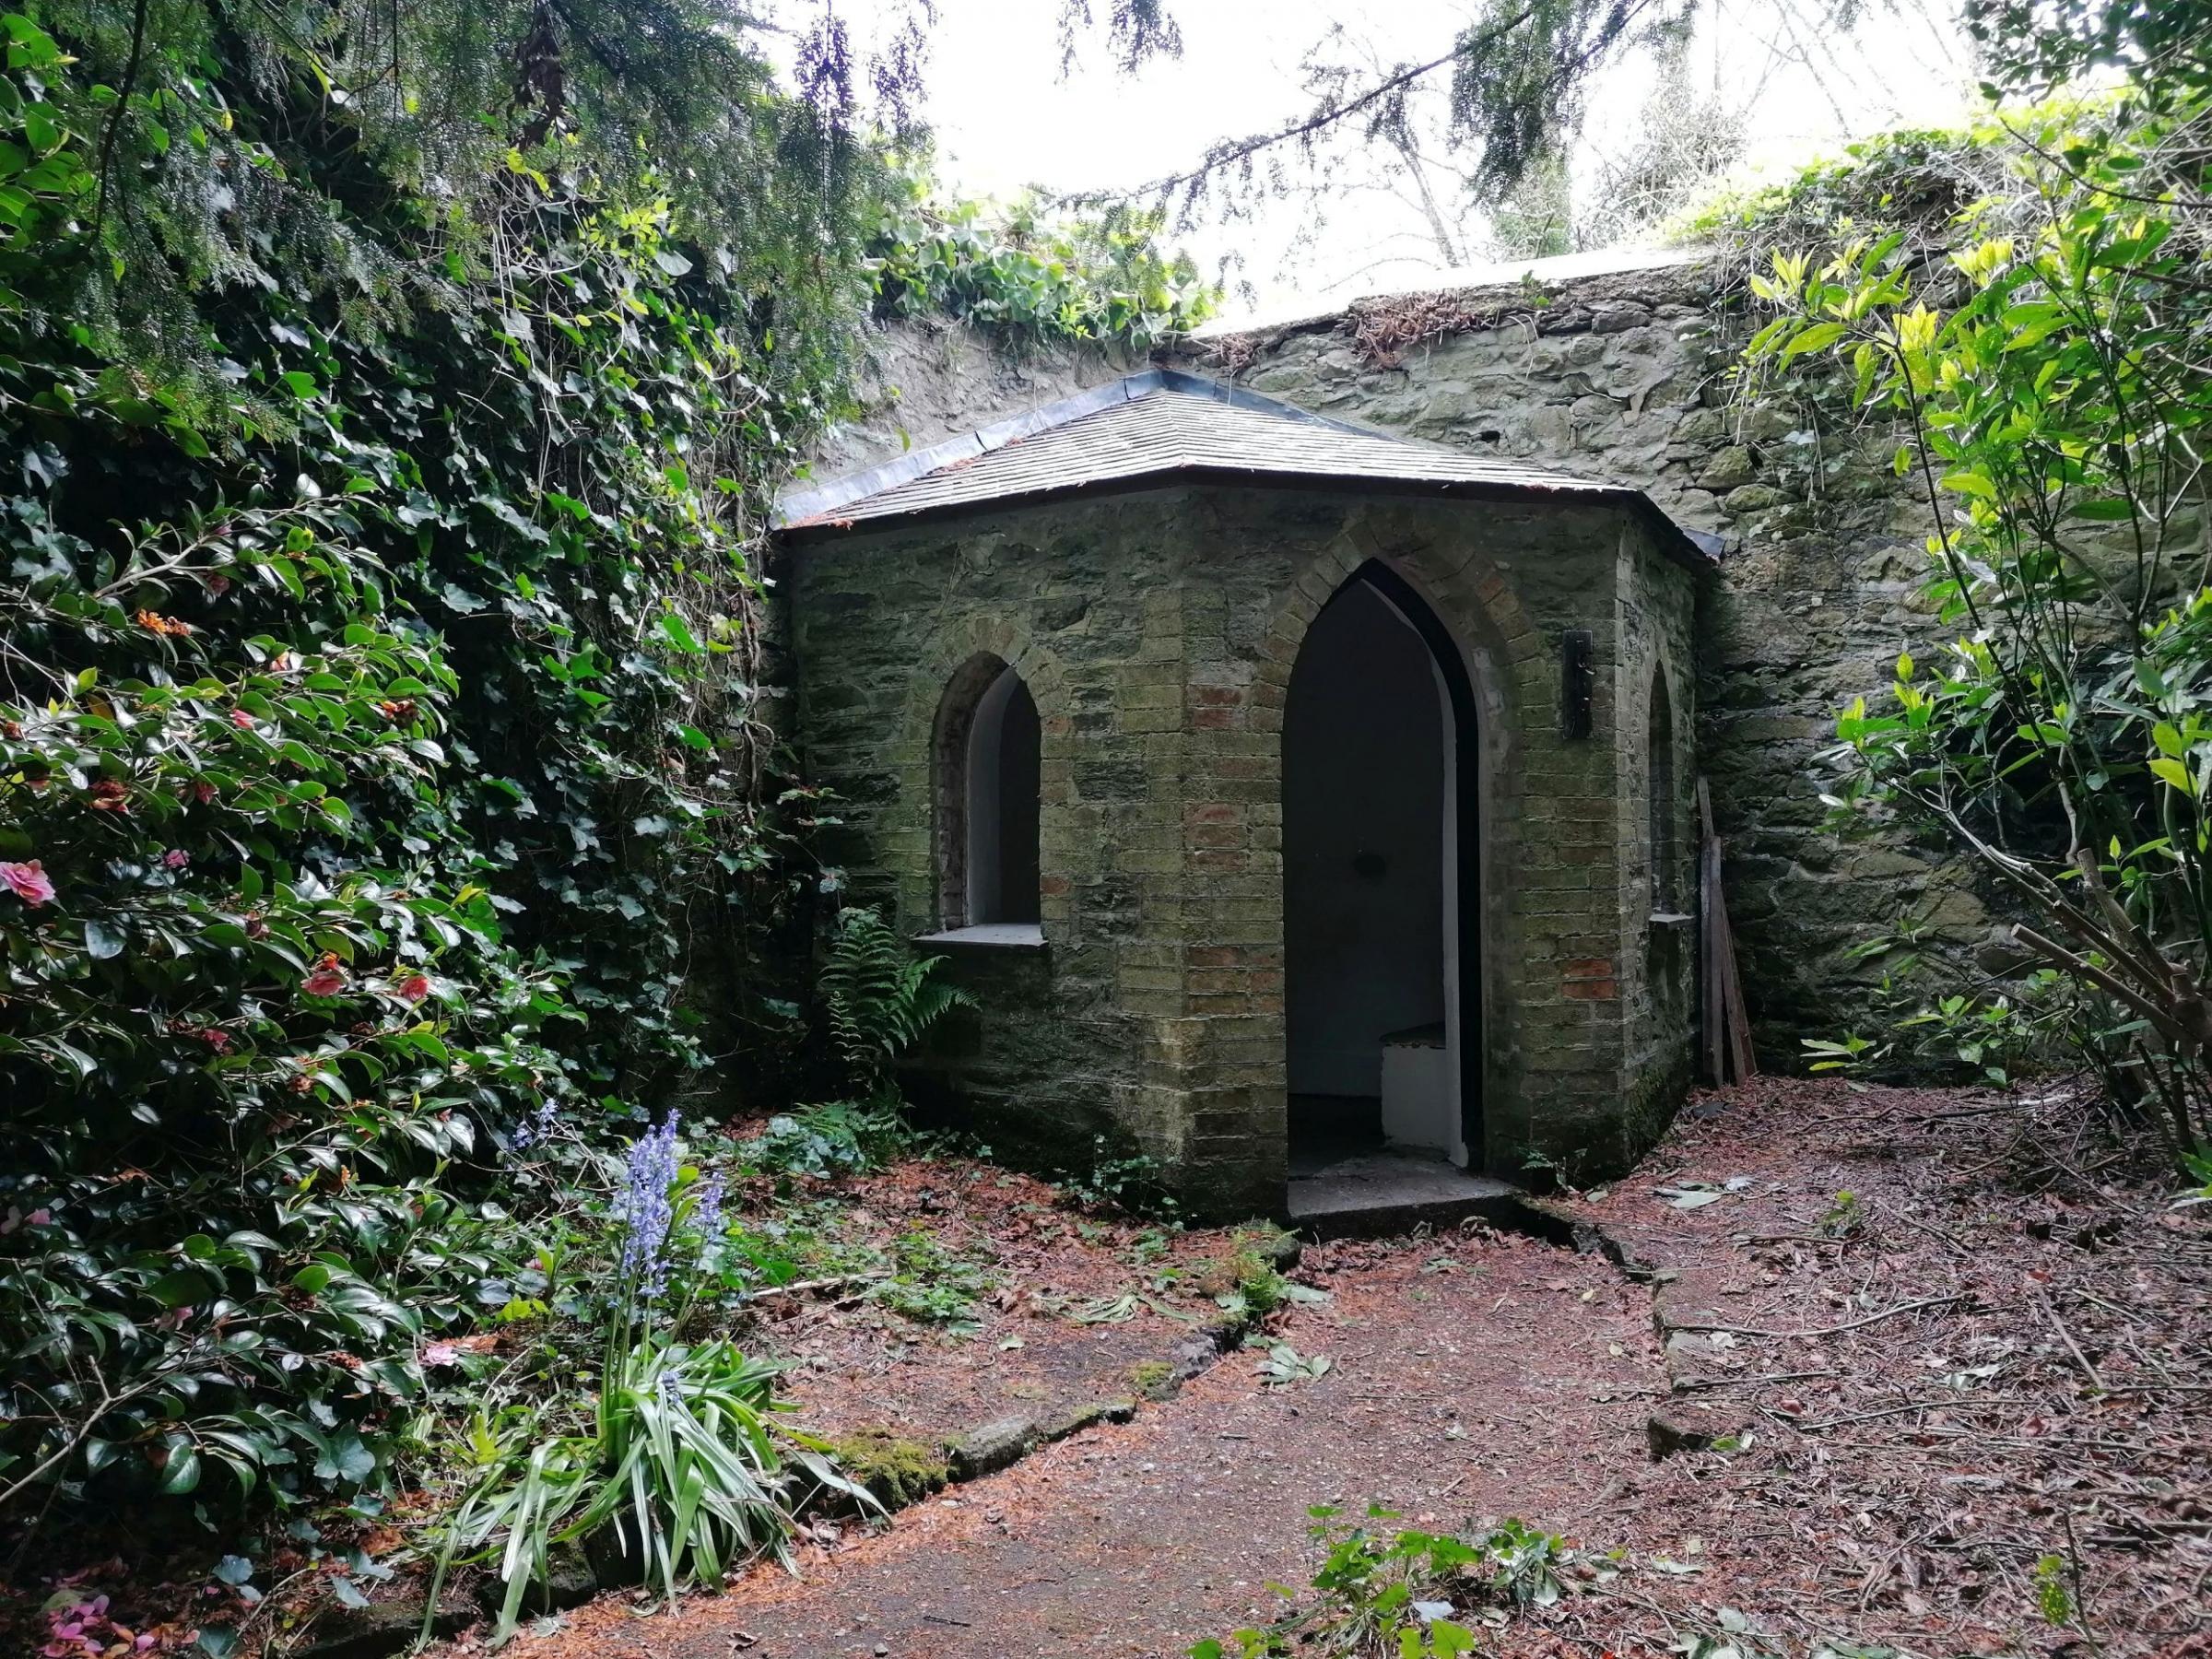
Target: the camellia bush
pixel 356 679
pixel 2044 361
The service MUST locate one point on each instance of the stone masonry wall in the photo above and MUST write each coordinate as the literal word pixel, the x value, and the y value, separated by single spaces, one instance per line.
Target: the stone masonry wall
pixel 1626 377
pixel 1656 623
pixel 1156 633
pixel 1075 1042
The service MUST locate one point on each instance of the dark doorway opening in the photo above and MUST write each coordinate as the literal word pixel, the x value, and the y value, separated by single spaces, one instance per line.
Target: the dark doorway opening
pixel 1379 886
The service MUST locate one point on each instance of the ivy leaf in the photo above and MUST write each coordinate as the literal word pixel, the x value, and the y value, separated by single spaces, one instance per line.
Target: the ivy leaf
pixel 344 1457
pixel 102 941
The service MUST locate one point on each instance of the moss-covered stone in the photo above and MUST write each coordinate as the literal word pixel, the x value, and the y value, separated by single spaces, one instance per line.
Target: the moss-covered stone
pixel 895 1471
pixel 1153 1378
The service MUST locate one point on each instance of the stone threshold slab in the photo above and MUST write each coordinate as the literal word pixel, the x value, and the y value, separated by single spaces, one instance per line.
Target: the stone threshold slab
pixel 1388 1192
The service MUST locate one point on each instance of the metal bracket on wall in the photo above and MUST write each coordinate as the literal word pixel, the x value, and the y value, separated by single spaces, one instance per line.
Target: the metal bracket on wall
pixel 1578 673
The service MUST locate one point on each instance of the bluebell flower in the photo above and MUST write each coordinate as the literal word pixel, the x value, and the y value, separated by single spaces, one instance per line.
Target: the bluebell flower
pixel 646 1211
pixel 708 1216
pixel 535 1128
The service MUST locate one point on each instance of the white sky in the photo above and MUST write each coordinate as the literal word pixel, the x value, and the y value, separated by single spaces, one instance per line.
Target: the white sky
pixel 1006 119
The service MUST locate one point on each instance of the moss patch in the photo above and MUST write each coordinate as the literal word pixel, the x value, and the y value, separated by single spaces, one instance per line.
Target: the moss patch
pixel 1153 1378
pixel 896 1471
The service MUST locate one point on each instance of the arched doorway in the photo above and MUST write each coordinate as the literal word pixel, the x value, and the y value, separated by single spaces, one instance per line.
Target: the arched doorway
pixel 1380 880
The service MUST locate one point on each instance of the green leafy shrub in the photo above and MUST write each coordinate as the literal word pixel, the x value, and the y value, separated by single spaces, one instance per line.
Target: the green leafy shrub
pixel 840 1138
pixel 2039 374
pixel 356 765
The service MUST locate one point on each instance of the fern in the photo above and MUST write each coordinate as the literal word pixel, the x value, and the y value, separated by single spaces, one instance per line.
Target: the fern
pixel 880 998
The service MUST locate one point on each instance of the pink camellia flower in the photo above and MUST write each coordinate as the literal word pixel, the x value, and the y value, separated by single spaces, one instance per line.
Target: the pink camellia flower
pixel 28 882
pixel 327 980
pixel 203 792
pixel 241 720
pixel 415 987
pixel 176 858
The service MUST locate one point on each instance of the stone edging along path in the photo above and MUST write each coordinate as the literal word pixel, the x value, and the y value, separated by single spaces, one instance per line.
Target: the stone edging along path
pixel 391 1625
pixel 1683 1316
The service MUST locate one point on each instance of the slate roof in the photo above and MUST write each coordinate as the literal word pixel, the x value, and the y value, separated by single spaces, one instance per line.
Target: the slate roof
pixel 1164 427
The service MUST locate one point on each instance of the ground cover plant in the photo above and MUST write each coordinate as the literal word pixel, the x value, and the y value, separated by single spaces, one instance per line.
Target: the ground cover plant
pixel 1960 1412
pixel 1383 1592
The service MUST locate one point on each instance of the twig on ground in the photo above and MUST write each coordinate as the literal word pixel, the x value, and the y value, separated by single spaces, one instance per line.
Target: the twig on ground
pixel 1834 1330
pixel 2067 1335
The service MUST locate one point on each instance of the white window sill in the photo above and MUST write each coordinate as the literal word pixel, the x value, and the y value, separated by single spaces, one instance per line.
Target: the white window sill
pixel 993 936
pixel 1671 919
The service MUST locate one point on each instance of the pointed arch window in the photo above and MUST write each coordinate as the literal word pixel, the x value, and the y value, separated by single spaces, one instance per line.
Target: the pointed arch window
pixel 989 768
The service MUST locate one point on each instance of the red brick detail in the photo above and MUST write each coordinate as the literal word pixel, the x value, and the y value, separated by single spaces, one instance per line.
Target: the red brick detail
pixel 1589 978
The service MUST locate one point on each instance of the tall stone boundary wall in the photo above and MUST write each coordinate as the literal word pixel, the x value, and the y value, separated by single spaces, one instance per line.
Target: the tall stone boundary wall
pixel 1625 377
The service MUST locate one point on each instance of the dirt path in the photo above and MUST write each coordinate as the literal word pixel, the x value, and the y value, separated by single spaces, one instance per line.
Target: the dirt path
pixel 1956 1350
pixel 1470 1378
